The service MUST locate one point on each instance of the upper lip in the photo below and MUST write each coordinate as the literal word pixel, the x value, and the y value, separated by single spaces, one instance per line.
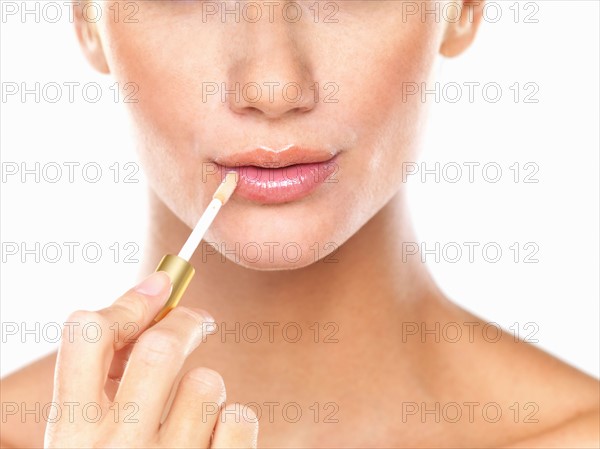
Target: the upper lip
pixel 266 158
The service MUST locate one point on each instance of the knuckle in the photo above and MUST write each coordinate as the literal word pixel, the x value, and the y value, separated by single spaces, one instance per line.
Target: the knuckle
pixel 189 322
pixel 133 306
pixel 162 343
pixel 192 318
pixel 205 381
pixel 83 325
pixel 82 317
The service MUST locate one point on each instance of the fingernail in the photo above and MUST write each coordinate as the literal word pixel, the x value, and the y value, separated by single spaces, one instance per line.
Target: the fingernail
pixel 154 284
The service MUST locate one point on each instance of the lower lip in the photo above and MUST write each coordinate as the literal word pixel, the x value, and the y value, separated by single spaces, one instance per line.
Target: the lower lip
pixel 281 185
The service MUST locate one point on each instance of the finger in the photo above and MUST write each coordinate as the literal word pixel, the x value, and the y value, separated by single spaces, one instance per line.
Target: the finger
pixel 195 409
pixel 237 427
pixel 115 372
pixel 129 316
pixel 78 362
pixel 119 363
pixel 156 360
pixel 89 341
pixel 134 311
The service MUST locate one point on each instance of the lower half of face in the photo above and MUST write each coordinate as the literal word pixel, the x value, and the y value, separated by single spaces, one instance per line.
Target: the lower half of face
pixel 214 91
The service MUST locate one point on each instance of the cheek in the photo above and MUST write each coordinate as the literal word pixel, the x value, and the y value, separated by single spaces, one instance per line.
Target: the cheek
pixel 167 113
pixel 396 61
pixel 378 71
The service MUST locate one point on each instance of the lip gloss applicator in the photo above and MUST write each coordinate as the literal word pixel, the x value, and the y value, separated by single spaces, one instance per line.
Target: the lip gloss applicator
pixel 178 267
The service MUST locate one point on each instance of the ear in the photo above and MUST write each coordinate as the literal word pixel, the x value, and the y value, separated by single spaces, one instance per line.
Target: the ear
pixel 461 30
pixel 89 39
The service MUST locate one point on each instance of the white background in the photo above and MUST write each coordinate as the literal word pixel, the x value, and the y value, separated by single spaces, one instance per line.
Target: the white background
pixel 559 294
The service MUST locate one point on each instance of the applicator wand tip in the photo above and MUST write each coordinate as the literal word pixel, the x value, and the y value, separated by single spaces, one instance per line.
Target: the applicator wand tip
pixel 227 187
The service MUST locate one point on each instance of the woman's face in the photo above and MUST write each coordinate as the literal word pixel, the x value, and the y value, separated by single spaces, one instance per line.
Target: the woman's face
pixel 352 62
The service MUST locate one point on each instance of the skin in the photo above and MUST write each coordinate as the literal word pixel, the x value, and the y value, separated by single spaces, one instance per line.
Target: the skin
pixel 372 372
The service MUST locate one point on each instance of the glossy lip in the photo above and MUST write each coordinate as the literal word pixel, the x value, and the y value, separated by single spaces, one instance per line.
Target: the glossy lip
pixel 275 177
pixel 267 158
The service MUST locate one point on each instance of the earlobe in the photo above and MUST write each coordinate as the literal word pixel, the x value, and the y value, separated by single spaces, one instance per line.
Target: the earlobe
pixel 89 39
pixel 461 32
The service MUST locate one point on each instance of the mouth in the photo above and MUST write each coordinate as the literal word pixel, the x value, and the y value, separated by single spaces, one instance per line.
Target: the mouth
pixel 276 177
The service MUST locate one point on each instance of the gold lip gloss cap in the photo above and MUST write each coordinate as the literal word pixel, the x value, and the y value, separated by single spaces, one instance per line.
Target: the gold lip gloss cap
pixel 181 272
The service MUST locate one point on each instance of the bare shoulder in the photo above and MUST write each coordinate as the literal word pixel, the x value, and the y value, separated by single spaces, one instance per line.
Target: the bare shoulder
pixel 582 431
pixel 548 402
pixel 573 399
pixel 25 397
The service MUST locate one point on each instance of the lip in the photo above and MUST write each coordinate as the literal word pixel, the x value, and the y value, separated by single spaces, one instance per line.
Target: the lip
pixel 276 177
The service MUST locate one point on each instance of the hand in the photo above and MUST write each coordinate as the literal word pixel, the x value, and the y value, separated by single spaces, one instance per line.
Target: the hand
pixel 114 375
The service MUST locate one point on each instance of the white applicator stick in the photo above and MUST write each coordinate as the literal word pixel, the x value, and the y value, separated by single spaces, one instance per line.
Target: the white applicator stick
pixel 178 267
pixel 220 197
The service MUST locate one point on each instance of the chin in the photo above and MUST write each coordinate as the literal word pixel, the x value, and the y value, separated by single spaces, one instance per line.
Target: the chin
pixel 276 238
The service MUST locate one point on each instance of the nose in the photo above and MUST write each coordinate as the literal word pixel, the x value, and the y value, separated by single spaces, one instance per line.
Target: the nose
pixel 270 73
